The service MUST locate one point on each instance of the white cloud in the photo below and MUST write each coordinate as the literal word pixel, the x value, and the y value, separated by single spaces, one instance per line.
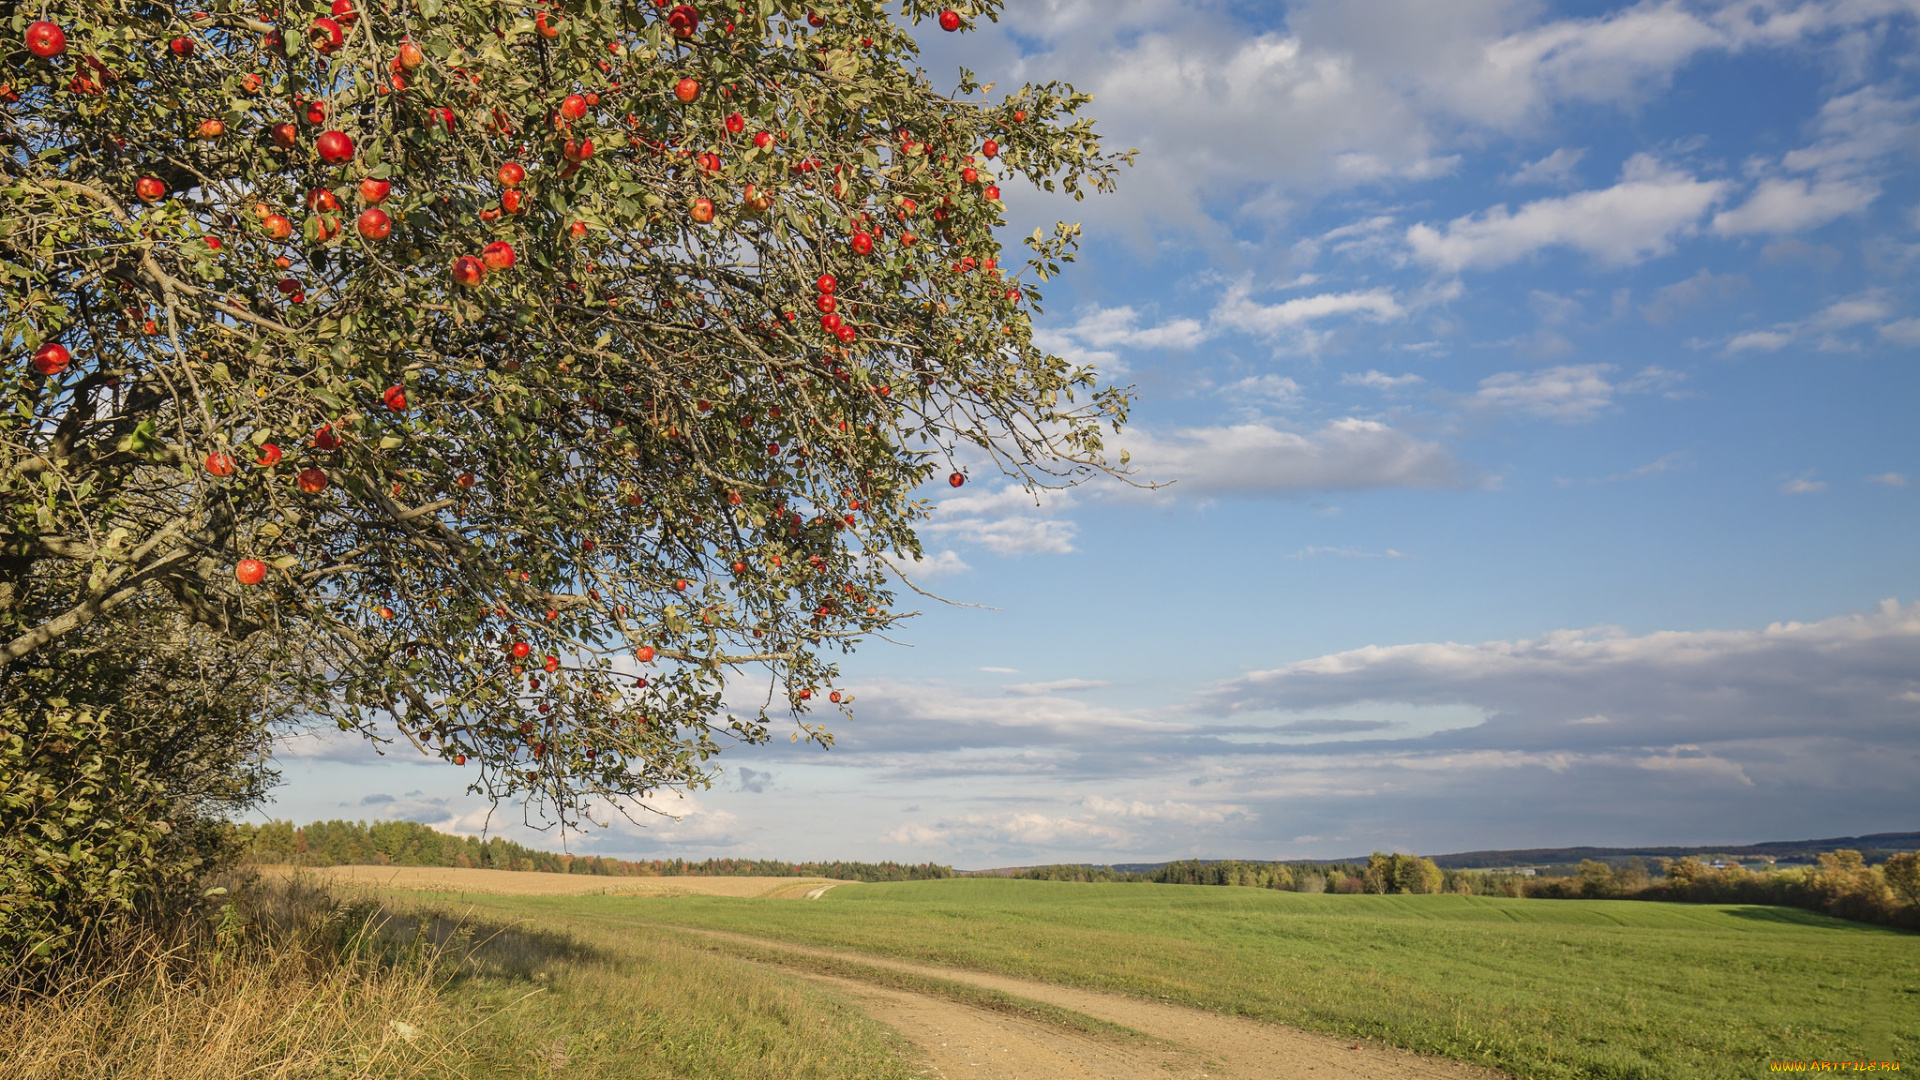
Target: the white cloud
pixel 1801 485
pixel 1271 389
pixel 1569 393
pixel 1785 205
pixel 1010 535
pixel 1704 287
pixel 1253 459
pixel 1111 327
pixel 1239 311
pixel 1902 332
pixel 943 564
pixel 1167 810
pixel 1838 175
pixel 1889 479
pixel 1008 520
pixel 1555 169
pixel 1346 553
pixel 1837 678
pixel 1636 219
pixel 1759 341
pixel 1057 686
pixel 1020 829
pixel 1375 380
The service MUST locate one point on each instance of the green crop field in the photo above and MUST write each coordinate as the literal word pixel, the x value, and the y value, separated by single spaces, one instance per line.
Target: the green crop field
pixel 1538 988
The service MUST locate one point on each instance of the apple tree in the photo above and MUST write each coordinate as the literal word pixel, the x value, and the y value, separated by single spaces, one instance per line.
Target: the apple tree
pixel 511 375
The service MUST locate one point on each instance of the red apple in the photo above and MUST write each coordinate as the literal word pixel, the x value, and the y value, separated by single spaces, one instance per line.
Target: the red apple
pixel 513 202
pixel 497 255
pixel 334 147
pixel 683 21
pixel 863 243
pixel 374 192
pixel 385 612
pixel 343 10
pixel 512 174
pixel 465 480
pixel 181 46
pixel 956 479
pixel 51 358
pixel 210 130
pixel 410 55
pixel 277 226
pixel 149 189
pixel 468 271
pixel 552 665
pixel 826 303
pixel 325 35
pixel 826 284
pixel 373 223
pixel 577 230
pixel 763 139
pixel 269 456
pixel 990 149
pixel 325 439
pixel 644 654
pixel 547 29
pixel 311 481
pixel 703 210
pixel 830 323
pixel 736 123
pixel 219 464
pixel 578 151
pixel 322 200
pixel 521 650
pixel 834 697
pixel 250 571
pixel 687 90
pixel 969 175
pixel 459 759
pixel 574 107
pixel 395 398
pixel 46 40
pixel 949 20
pixel 992 192
pixel 680 584
pixel 316 112
pixel 285 136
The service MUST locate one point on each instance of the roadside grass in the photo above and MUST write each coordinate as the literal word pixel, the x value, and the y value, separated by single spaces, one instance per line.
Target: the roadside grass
pixel 306 986
pixel 1620 990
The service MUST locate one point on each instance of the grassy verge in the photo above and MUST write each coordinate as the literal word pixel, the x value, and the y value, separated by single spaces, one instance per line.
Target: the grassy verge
pixel 296 984
pixel 1553 989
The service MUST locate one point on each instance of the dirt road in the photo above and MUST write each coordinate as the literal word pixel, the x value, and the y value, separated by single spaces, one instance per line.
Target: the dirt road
pixel 965 1042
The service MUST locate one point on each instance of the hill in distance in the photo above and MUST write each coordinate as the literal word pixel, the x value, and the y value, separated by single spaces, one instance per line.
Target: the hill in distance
pixel 1875 847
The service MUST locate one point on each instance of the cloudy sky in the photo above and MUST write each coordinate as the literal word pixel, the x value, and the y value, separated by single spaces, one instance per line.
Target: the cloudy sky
pixel 1539 385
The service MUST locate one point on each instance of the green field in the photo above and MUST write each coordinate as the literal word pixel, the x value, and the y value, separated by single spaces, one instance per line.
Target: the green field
pixel 1537 988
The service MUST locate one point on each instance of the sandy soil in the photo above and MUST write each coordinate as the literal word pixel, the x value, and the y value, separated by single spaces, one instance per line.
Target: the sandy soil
pixel 962 1041
pixel 514 883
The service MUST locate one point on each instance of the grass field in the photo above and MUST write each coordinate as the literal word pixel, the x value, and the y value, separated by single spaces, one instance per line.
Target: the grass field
pixel 1537 988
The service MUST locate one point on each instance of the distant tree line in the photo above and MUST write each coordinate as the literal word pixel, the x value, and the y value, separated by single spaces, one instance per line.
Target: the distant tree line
pixel 409 843
pixel 1381 873
pixel 1841 883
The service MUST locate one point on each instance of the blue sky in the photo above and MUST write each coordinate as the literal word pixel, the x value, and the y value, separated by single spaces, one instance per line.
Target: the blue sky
pixel 1536 383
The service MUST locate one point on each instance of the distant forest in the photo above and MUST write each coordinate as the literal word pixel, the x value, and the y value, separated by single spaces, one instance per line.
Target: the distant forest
pixel 409 843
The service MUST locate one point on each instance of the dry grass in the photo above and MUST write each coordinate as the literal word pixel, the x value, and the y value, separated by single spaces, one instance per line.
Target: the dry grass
pixel 287 984
pixel 293 983
pixel 457 881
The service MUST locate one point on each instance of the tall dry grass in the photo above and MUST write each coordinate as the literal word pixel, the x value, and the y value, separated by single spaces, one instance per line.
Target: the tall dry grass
pixel 278 980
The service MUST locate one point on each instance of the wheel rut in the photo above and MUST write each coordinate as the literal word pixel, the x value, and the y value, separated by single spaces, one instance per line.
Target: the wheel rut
pixel 969 1042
